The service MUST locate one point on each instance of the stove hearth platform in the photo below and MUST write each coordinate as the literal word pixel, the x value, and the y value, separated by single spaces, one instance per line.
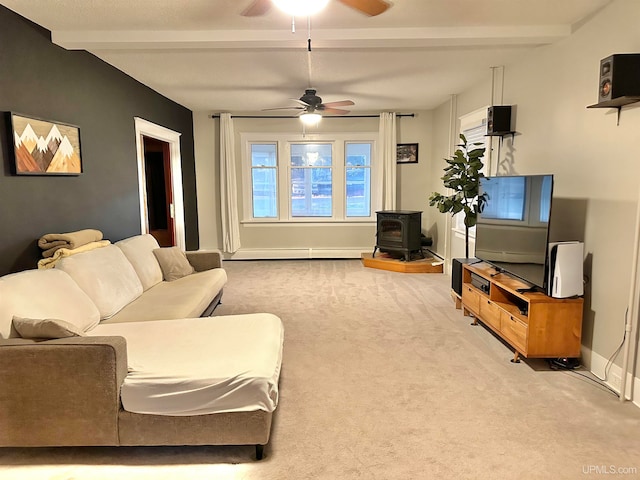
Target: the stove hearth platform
pixel 385 262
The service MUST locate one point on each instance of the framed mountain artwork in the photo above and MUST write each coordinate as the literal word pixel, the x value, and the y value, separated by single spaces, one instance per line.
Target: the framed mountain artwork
pixel 44 147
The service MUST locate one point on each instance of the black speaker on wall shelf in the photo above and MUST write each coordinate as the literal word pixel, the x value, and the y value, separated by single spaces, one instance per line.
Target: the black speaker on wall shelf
pixel 499 120
pixel 619 76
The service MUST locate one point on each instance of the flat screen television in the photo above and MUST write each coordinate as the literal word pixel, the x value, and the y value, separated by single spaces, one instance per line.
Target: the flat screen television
pixel 512 232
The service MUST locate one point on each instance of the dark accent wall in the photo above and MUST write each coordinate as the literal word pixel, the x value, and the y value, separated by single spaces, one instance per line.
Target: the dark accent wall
pixel 38 78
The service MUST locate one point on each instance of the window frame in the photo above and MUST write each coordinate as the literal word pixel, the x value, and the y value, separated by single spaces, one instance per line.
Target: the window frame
pixel 310 168
pixel 267 167
pixel 338 142
pixel 367 169
pixel 475 119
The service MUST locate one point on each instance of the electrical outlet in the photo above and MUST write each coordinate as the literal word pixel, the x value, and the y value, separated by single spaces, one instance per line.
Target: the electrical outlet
pixel 616 381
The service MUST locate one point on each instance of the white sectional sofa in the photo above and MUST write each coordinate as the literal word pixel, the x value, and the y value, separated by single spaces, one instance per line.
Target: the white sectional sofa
pixel 115 355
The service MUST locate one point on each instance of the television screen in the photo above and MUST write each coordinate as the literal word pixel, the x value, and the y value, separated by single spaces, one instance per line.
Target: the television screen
pixel 512 232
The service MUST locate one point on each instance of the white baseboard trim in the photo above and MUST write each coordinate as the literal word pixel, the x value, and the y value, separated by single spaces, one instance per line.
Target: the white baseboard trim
pixel 295 253
pixel 597 367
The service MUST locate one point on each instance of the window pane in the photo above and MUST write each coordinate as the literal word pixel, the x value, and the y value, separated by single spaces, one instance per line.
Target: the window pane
pixel 264 192
pixel 358 192
pixel 358 154
pixel 311 154
pixel 263 155
pixel 358 180
pixel 311 192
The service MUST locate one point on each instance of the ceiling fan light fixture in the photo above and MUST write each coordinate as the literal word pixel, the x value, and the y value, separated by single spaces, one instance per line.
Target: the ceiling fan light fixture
pixel 300 8
pixel 310 119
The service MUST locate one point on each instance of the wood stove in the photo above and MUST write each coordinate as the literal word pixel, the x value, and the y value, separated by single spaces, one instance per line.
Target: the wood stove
pixel 399 231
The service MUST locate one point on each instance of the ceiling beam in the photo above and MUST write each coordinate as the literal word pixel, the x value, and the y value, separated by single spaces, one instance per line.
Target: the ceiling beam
pixel 322 38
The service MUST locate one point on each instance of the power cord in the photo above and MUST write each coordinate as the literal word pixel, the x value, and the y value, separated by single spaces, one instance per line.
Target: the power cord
pixel 607 367
pixel 597 380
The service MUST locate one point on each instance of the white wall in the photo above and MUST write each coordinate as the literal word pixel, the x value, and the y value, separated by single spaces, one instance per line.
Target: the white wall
pixel 412 185
pixel 206 151
pixel 596 163
pixel 413 178
pixel 438 224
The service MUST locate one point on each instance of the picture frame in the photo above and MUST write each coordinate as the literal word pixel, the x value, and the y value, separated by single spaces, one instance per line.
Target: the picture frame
pixel 407 153
pixel 44 147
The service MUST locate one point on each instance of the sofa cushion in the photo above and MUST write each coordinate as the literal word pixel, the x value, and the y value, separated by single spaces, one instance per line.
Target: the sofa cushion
pixel 184 298
pixel 173 263
pixel 139 252
pixel 44 294
pixel 106 276
pixel 200 366
pixel 45 328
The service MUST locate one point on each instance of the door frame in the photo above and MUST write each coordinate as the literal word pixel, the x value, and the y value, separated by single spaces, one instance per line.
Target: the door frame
pixel 149 129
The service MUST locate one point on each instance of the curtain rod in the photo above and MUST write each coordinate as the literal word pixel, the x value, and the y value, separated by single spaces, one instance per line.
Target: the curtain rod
pixel 328 116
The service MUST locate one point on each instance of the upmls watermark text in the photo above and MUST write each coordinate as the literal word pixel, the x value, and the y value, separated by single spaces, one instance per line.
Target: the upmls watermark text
pixel 608 470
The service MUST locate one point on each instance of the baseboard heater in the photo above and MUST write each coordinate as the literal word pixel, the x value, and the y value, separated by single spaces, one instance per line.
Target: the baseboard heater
pixel 296 253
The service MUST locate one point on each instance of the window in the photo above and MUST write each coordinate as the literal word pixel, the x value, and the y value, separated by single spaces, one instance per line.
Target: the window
pixel 311 180
pixel 264 187
pixel 325 179
pixel 358 179
pixel 474 127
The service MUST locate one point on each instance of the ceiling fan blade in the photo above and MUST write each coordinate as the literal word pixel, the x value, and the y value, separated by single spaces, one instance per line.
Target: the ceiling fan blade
pixel 257 8
pixel 368 7
pixel 283 108
pixel 304 104
pixel 335 111
pixel 341 103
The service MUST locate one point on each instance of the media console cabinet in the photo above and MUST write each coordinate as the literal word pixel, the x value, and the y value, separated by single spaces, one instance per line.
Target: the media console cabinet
pixel 534 324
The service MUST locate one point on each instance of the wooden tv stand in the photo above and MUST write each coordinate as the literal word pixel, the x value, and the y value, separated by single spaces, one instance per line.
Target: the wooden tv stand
pixel 534 324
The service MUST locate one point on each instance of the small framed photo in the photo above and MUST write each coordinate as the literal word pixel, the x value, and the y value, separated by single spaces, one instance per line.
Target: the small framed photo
pixel 45 147
pixel 407 153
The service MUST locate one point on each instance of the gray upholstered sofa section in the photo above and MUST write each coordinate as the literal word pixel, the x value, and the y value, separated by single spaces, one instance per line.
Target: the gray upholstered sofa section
pixel 66 391
pixel 61 392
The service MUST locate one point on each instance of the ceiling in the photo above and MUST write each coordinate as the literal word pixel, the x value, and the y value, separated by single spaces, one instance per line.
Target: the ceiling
pixel 204 55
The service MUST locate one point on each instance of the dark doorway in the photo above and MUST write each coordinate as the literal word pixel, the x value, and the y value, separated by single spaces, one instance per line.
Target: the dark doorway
pixel 157 167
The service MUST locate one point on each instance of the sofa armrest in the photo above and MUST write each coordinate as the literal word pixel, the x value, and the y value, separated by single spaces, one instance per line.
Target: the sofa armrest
pixel 205 260
pixel 62 392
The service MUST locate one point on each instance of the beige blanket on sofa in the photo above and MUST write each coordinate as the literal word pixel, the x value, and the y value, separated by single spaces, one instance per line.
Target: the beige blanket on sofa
pixel 51 261
pixel 72 240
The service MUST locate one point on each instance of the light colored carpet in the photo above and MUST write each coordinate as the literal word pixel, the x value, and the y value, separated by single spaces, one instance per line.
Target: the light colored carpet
pixel 383 379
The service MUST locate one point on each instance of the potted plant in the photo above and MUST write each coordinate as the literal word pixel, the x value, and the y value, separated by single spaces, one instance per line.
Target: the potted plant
pixel 462 175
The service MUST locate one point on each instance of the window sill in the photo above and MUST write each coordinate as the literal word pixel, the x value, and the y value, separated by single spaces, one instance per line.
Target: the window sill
pixel 460 234
pixel 308 223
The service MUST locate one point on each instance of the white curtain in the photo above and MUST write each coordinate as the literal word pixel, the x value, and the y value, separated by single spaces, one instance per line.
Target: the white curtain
pixel 228 186
pixel 387 156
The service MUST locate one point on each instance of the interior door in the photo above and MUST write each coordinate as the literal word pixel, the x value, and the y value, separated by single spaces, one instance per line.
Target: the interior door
pixel 160 207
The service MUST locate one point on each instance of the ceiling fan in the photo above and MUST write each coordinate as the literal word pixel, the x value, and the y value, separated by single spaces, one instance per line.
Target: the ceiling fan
pixel 311 103
pixel 367 7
